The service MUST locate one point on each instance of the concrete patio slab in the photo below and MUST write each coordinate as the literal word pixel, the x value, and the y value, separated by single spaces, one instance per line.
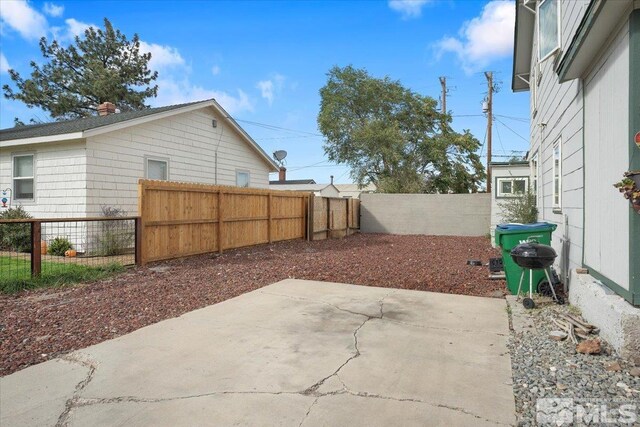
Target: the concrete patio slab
pixel 293 353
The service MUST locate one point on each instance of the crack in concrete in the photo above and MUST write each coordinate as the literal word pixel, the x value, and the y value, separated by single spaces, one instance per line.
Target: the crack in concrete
pixel 308 411
pixel 76 401
pixel 77 358
pixel 400 322
pixel 313 389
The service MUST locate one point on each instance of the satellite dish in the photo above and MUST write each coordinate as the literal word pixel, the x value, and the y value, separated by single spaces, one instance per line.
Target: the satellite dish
pixel 279 155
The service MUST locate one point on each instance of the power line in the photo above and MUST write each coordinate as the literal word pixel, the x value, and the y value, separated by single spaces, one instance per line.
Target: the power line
pixel 516 133
pixel 519 119
pixel 274 127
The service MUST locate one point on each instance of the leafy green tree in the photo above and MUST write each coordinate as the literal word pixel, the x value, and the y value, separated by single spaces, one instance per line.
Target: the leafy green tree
pixel 101 67
pixel 395 138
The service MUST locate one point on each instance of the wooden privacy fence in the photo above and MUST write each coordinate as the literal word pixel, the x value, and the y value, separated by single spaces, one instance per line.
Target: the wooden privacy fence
pixel 182 219
pixel 333 217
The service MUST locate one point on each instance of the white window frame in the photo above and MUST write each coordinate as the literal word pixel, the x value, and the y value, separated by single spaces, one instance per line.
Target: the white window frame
pixel 500 179
pixel 243 171
pixel 14 193
pixel 147 159
pixel 559 24
pixel 556 198
pixel 534 166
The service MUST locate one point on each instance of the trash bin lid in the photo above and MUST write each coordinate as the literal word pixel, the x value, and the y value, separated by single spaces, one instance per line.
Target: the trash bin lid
pixel 519 228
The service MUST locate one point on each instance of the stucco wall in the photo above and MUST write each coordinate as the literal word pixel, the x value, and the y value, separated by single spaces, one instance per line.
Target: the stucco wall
pixel 431 214
pixel 116 160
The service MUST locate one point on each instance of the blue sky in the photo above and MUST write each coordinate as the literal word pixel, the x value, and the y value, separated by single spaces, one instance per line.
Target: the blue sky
pixel 265 61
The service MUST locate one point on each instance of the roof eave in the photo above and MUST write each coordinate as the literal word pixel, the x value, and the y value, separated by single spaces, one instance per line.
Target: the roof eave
pixel 600 18
pixel 522 46
pixel 43 139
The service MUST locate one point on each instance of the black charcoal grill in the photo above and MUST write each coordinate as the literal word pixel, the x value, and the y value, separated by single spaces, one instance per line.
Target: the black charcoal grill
pixel 534 256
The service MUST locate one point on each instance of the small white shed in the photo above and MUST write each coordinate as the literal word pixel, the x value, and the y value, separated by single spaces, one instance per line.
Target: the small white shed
pixel 510 179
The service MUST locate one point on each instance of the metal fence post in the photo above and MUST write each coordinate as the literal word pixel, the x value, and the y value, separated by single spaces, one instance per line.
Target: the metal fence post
pixel 138 237
pixel 36 248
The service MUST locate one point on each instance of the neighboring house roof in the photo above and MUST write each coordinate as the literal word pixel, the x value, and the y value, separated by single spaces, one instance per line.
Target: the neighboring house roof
pixel 514 163
pixel 96 125
pixel 292 181
pixel 355 188
pixel 304 187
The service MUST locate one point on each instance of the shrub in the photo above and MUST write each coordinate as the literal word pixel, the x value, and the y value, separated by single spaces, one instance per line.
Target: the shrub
pixel 116 237
pixel 521 209
pixel 59 246
pixel 15 237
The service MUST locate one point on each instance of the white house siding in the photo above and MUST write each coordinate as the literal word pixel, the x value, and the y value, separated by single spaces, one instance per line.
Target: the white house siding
pixel 606 108
pixel 189 141
pixel 559 115
pixel 60 179
pixel 502 171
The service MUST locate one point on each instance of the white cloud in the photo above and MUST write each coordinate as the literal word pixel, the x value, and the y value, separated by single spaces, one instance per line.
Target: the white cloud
pixel 53 9
pixel 483 38
pixel 408 8
pixel 77 28
pixel 21 17
pixel 269 88
pixel 162 56
pixel 215 70
pixel 171 91
pixel 4 64
pixel 266 90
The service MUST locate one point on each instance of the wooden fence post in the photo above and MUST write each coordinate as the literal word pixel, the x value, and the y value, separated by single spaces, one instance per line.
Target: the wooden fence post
pixel 270 226
pixel 220 220
pixel 328 218
pixel 310 220
pixel 36 254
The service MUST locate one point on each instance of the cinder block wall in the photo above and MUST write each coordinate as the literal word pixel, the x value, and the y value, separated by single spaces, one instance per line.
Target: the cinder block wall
pixel 431 214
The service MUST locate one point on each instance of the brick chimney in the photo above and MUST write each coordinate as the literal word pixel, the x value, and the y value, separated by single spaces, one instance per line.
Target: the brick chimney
pixel 283 174
pixel 106 108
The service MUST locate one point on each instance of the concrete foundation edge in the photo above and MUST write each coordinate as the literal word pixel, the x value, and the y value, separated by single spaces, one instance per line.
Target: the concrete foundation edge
pixel 619 321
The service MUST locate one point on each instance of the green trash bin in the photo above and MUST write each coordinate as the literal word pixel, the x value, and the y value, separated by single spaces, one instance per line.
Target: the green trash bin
pixel 508 236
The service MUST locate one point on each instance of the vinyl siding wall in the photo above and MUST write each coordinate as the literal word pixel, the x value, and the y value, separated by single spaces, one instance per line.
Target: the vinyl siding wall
pixel 559 116
pixel 116 160
pixel 606 246
pixel 60 179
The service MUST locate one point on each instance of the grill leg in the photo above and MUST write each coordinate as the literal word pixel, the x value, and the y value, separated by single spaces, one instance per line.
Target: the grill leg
pixel 553 291
pixel 520 285
pixel 531 284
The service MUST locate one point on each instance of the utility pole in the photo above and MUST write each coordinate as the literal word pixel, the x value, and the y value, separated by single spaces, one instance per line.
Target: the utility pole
pixel 489 76
pixel 443 83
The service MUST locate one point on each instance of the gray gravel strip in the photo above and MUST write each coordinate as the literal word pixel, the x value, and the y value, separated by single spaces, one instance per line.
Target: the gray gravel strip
pixel 544 368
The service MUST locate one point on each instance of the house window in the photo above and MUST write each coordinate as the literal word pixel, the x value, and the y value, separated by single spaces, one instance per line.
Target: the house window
pixel 157 169
pixel 511 186
pixel 548 28
pixel 23 177
pixel 242 178
pixel 557 176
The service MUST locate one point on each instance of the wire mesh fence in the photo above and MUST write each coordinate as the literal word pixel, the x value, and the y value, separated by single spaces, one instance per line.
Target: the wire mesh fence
pixel 51 251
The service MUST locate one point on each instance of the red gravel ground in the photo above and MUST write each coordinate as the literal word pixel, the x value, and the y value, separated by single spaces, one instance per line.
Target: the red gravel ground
pixel 39 325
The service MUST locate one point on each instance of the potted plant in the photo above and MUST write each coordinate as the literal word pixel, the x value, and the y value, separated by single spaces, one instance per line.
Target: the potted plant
pixel 630 188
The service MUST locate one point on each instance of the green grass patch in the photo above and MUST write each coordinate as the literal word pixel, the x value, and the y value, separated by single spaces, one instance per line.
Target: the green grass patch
pixel 15 274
